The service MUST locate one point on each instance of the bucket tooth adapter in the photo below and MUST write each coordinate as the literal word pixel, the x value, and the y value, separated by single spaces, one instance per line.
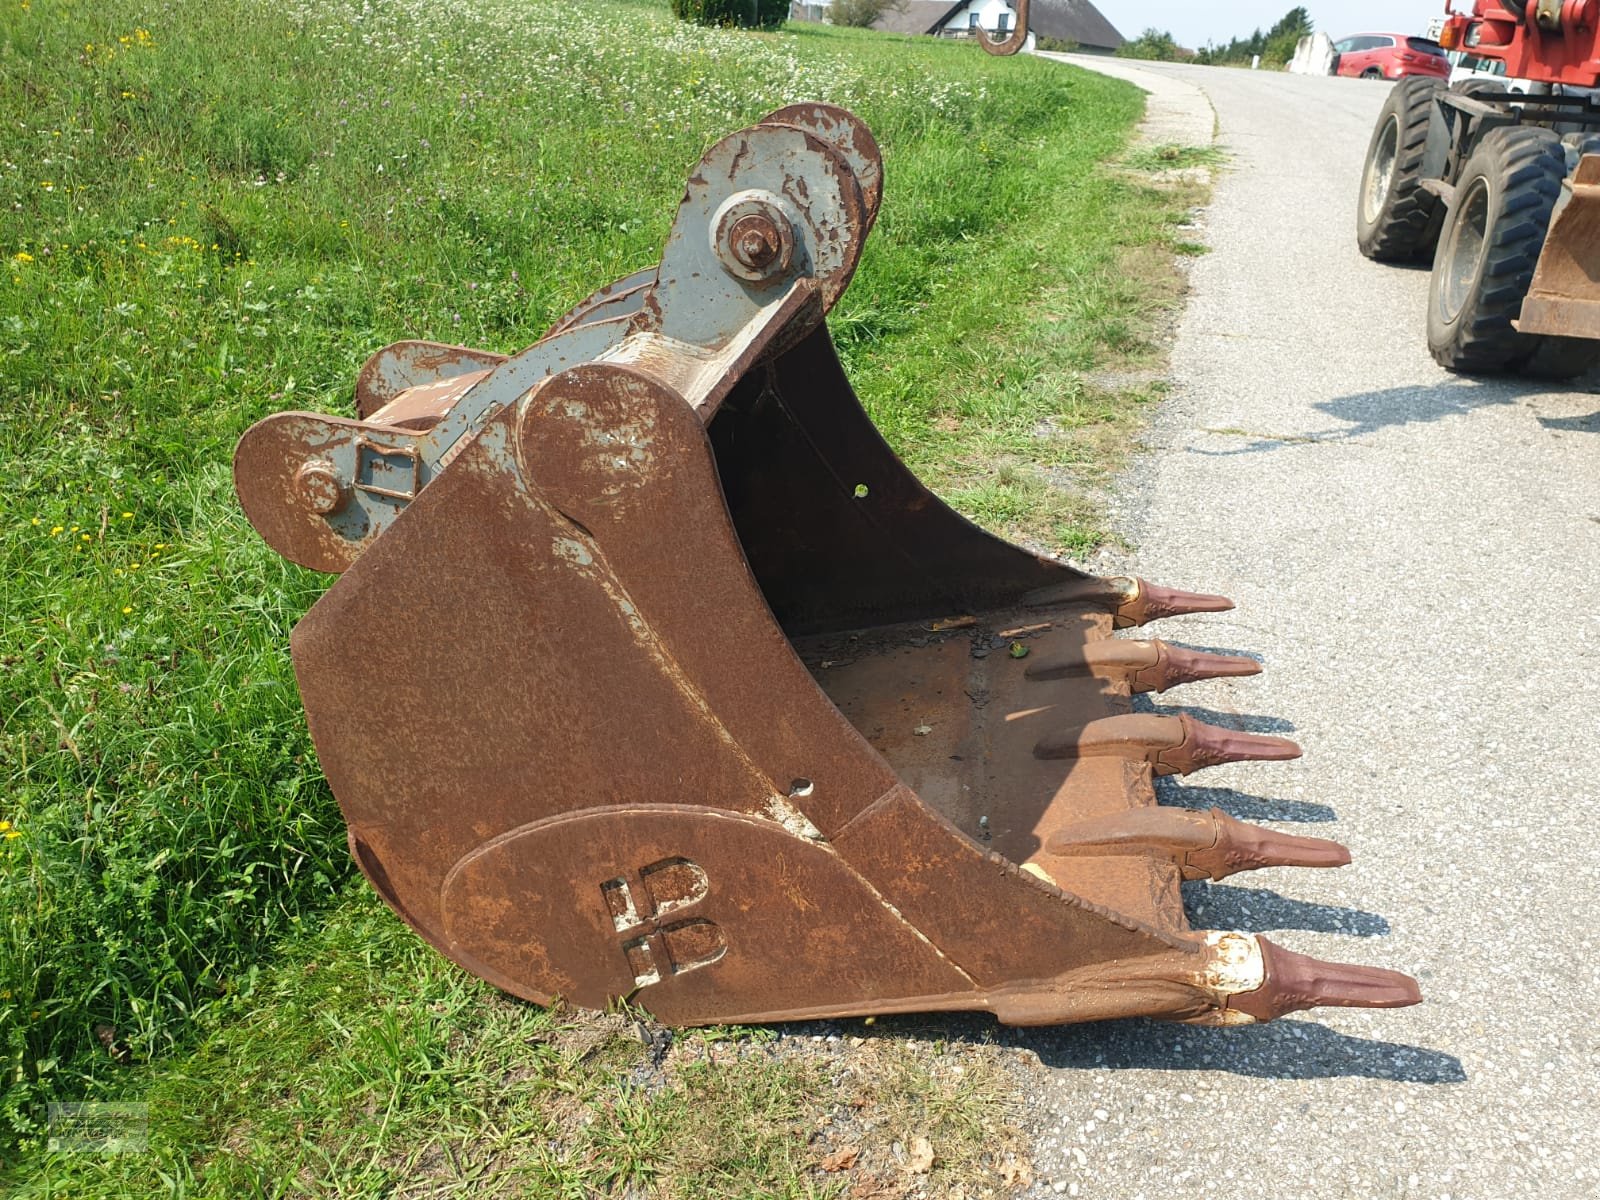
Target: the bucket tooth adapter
pixel 690 692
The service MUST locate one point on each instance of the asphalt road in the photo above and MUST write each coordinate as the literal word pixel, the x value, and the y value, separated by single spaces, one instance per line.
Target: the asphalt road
pixel 1417 558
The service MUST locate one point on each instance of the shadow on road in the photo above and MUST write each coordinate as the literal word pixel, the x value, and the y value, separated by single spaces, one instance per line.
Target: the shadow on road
pixel 1246 722
pixel 1369 412
pixel 1282 1049
pixel 1257 910
pixel 1589 423
pixel 1240 806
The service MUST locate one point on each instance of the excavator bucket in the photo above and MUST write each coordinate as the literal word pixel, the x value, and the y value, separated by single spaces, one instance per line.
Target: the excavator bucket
pixel 652 672
pixel 1564 298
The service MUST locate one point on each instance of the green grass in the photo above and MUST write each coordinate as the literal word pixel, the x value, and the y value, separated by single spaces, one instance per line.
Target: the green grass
pixel 1170 156
pixel 363 1064
pixel 210 212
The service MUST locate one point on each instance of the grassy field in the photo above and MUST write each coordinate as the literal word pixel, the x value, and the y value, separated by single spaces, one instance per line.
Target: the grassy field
pixel 216 211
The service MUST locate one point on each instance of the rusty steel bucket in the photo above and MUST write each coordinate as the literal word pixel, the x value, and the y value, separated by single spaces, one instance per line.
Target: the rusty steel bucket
pixel 652 672
pixel 1564 295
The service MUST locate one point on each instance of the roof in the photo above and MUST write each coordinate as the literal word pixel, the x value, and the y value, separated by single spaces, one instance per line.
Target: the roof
pixel 916 16
pixel 1074 20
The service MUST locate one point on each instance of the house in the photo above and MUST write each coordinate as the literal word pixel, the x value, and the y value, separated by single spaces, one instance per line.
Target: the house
pixel 1077 21
pixel 915 16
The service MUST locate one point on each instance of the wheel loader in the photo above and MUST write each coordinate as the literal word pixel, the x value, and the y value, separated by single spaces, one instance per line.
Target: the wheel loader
pixel 1501 189
pixel 650 672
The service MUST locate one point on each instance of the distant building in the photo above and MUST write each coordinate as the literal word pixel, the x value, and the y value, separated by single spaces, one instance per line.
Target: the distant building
pixel 1076 21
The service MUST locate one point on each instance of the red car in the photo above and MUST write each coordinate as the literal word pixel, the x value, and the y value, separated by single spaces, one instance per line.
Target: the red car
pixel 1390 56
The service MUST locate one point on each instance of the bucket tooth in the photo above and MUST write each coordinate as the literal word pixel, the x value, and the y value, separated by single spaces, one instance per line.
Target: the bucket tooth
pixel 1152 666
pixel 1295 982
pixel 1151 602
pixel 1131 601
pixel 1177 745
pixel 1202 845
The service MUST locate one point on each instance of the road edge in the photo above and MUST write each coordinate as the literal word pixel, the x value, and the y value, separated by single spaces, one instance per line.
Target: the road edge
pixel 1176 112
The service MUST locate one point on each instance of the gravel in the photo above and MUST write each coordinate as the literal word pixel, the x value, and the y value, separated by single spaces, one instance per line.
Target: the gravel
pixel 1417 556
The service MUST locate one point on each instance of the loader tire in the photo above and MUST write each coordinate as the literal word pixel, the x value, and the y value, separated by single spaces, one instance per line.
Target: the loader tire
pixel 1396 221
pixel 1489 247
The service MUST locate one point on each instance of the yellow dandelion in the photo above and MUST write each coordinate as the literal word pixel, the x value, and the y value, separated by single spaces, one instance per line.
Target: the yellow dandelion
pixel 4 825
pixel 10 834
pixel 22 256
pixel 46 184
pixel 161 545
pixel 127 516
pixel 36 521
pixel 133 566
pixel 54 529
pixel 126 609
pixel 86 537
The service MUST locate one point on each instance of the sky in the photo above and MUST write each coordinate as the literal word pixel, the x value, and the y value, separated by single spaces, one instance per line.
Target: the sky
pixel 1195 22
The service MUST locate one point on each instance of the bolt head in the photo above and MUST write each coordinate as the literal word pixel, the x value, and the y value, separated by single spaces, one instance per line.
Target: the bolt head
pixel 320 488
pixel 755 242
pixel 753 237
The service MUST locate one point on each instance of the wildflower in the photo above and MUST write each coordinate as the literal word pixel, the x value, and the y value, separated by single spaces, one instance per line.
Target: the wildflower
pixel 47 185
pixel 127 516
pixel 54 529
pixel 22 256
pixel 126 609
pixel 86 537
pixel 161 545
pixel 36 521
pixel 133 566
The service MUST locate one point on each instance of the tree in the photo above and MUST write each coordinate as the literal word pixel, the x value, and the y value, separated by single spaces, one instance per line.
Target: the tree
pixel 1283 37
pixel 1152 43
pixel 1275 46
pixel 751 14
pixel 862 13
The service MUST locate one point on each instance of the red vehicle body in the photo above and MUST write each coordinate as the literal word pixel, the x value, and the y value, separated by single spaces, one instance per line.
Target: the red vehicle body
pixel 1550 41
pixel 1390 56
